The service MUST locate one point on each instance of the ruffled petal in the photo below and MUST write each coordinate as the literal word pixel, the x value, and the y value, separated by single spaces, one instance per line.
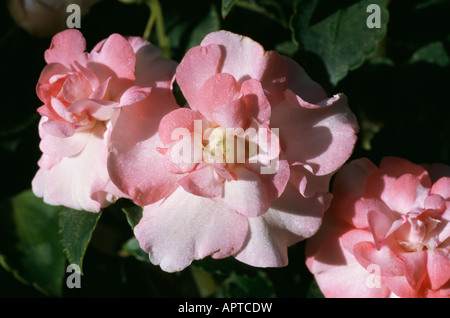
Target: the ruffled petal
pixel 76 181
pixel 185 118
pixel 56 146
pixel 218 90
pixel 135 165
pixel 198 64
pixel 185 227
pixel 148 57
pixel 438 267
pixel 442 188
pixel 116 53
pixel 290 219
pixel 66 47
pixel 257 104
pixel 203 182
pixel 246 195
pixel 321 139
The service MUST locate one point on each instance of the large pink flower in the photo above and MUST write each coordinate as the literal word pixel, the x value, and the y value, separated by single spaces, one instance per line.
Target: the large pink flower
pixel 386 233
pixel 80 92
pixel 201 195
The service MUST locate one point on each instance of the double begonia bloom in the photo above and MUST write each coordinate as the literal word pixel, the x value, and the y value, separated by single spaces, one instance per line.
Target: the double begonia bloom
pixel 386 233
pixel 244 170
pixel 81 91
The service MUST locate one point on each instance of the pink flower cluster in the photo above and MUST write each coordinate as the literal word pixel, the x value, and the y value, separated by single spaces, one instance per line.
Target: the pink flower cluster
pixel 386 233
pixel 242 170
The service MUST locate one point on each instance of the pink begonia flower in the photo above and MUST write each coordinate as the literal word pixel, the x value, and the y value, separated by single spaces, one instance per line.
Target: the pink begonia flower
pixel 386 233
pixel 44 18
pixel 81 92
pixel 200 196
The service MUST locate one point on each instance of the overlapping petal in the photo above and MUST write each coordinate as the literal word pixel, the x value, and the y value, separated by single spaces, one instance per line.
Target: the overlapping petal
pixel 388 219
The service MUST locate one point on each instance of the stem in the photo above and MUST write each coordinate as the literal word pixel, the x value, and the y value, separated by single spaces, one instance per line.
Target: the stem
pixel 149 26
pixel 157 15
pixel 204 281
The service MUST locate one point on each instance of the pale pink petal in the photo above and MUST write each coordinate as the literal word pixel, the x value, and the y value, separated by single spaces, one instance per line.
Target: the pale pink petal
pixel 46 89
pixel 294 99
pixel 134 95
pixel 39 186
pixel 48 162
pixel 301 84
pixel 98 109
pixel 218 90
pixel 337 272
pixel 358 214
pixel 117 54
pixel 438 267
pixel 134 163
pixel 75 181
pixel 442 188
pixel 246 195
pixel 88 74
pixel 396 167
pixel 64 147
pixel 242 57
pixel 351 237
pixel 61 129
pixel 198 64
pixel 148 57
pixel 404 194
pixel 185 227
pixel 203 182
pixel 390 264
pixel 258 106
pixel 308 184
pixel 102 91
pixel 76 87
pixel 183 155
pixel 379 223
pixel 400 287
pixel 231 115
pixel 321 139
pixel 290 219
pixel 61 109
pixel 415 267
pixel 275 182
pixel 179 118
pixel 66 47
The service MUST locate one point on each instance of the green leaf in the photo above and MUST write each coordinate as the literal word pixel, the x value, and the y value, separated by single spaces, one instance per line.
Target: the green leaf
pixel 131 247
pixel 76 228
pixel 238 285
pixel 209 23
pixel 341 38
pixel 30 247
pixel 184 33
pixel 133 214
pixel 314 290
pixel 433 53
pixel 226 7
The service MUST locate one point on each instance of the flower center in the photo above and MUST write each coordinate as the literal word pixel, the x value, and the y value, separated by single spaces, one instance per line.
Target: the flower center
pixel 419 231
pixel 228 145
